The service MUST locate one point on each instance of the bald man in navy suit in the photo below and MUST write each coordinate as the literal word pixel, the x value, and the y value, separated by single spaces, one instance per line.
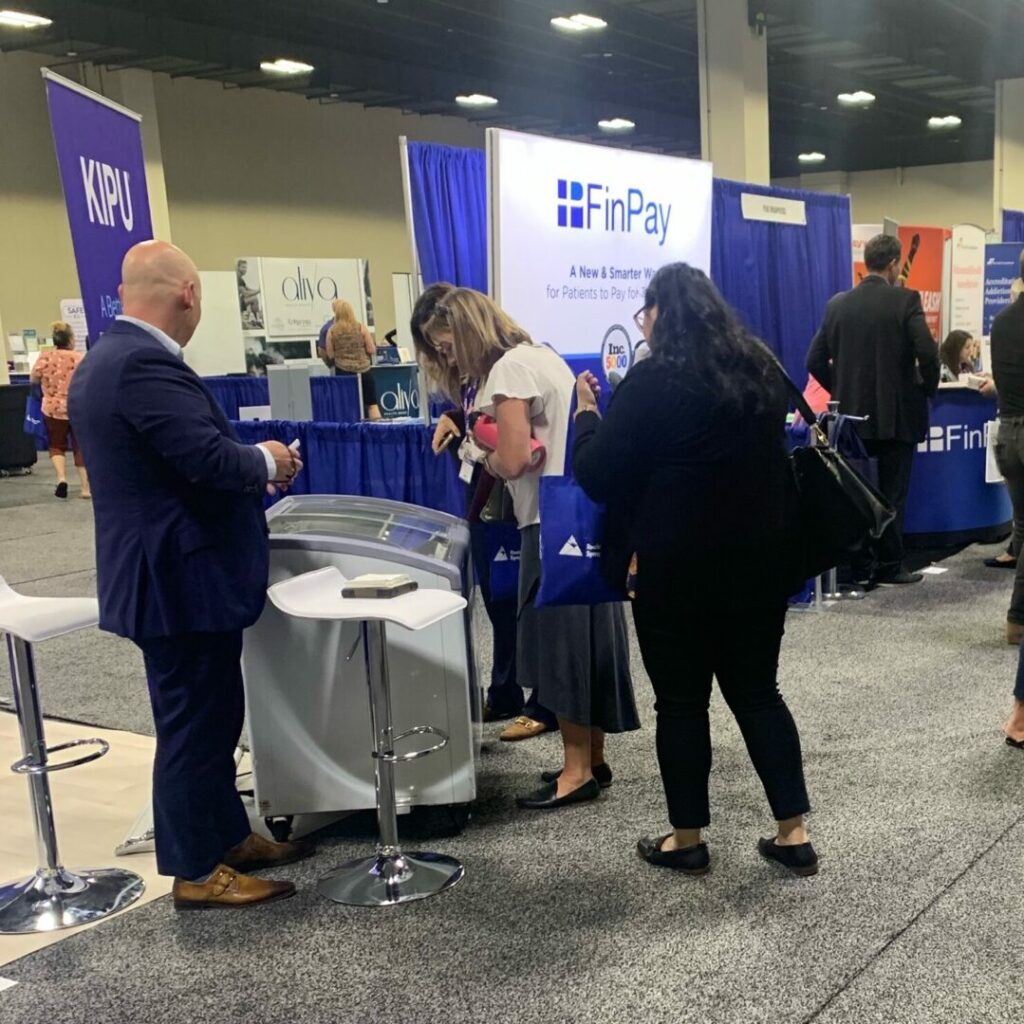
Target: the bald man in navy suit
pixel 181 563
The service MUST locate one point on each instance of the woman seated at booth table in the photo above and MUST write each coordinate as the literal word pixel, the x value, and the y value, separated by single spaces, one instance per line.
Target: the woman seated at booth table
pixel 958 354
pixel 350 349
pixel 578 656
pixel 692 466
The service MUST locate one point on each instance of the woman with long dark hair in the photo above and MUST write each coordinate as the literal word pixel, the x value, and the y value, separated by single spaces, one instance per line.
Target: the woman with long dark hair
pixel 692 466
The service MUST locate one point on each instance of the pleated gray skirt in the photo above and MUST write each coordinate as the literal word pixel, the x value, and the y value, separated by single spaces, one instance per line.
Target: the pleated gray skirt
pixel 575 656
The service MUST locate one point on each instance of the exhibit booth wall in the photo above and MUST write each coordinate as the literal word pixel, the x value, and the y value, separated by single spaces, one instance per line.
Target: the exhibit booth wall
pixel 246 170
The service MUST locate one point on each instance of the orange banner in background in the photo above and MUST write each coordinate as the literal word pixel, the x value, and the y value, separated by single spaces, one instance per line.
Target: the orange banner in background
pixel 921 268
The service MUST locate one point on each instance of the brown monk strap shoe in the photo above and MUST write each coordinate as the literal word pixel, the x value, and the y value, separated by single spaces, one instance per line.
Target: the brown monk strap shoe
pixel 227 889
pixel 255 853
pixel 522 728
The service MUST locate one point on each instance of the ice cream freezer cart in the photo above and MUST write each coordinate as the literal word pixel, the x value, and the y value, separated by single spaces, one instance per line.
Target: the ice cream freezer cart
pixel 307 700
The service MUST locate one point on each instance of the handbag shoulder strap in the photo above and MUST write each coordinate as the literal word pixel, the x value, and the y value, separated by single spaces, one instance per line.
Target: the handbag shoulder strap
pixel 570 434
pixel 801 403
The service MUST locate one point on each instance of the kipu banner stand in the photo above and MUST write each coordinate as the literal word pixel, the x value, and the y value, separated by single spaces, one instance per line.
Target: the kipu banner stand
pixel 103 174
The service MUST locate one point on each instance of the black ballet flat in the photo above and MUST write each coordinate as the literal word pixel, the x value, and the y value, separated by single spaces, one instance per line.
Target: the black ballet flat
pixel 602 773
pixel 999 563
pixel 546 798
pixel 800 859
pixel 694 860
pixel 1017 744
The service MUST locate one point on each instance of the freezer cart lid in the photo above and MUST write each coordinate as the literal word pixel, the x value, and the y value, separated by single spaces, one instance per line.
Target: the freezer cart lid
pixel 393 524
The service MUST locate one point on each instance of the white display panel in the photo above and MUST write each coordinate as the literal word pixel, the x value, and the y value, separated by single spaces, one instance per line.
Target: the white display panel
pixel 297 293
pixel 578 230
pixel 967 280
pixel 216 347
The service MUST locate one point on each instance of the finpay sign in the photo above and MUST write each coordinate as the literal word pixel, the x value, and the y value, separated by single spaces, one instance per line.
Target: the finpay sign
pixel 577 232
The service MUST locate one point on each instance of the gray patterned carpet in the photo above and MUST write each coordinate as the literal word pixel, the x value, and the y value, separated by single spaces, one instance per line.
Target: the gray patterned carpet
pixel 917 915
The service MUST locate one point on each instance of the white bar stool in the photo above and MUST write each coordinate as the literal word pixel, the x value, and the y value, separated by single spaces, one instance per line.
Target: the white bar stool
pixel 390 876
pixel 54 897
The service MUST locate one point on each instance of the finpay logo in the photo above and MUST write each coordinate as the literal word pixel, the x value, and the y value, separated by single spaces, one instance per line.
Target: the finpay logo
pixel 596 207
pixel 953 437
pixel 107 191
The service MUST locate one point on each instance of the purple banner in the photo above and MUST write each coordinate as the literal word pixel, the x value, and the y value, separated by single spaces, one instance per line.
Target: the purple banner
pixel 103 173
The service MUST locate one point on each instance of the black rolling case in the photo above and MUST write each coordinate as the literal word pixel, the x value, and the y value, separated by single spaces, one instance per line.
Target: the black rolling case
pixel 17 449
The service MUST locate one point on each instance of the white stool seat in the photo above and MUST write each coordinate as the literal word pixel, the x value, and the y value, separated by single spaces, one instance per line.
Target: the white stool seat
pixel 34 619
pixel 390 876
pixel 317 595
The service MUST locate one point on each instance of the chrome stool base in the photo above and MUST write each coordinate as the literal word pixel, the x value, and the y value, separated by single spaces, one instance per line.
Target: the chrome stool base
pixel 386 880
pixel 49 901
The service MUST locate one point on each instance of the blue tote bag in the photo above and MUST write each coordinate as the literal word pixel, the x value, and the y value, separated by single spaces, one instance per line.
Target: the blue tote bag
pixel 571 535
pixel 34 425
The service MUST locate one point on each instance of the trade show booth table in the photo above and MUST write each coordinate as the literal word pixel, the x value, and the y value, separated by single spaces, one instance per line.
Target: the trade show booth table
pixel 335 399
pixel 375 460
pixel 950 501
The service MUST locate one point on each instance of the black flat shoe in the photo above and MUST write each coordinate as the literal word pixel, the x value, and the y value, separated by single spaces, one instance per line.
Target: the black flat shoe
pixel 546 799
pixel 61 491
pixel 602 773
pixel 1017 744
pixel 800 859
pixel 694 860
pixel 499 714
pixel 999 563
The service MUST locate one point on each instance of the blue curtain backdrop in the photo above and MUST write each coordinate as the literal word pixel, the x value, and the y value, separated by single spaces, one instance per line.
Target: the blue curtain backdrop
pixel 780 276
pixel 448 186
pixel 1013 225
pixel 375 460
pixel 234 392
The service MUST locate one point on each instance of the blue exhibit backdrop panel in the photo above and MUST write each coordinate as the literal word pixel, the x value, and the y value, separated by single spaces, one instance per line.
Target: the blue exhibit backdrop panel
pixel 448 189
pixel 578 230
pixel 1013 225
pixel 779 276
pixel 103 173
pixel 1002 268
pixel 948 493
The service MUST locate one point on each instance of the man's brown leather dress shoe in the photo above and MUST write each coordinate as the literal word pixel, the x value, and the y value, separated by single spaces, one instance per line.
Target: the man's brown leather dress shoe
pixel 226 889
pixel 255 853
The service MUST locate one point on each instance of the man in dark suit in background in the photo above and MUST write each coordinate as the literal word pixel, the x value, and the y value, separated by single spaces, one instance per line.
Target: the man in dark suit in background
pixel 181 563
pixel 877 358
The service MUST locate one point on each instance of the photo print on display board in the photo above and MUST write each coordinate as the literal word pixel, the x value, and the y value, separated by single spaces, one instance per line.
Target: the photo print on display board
pixel 250 294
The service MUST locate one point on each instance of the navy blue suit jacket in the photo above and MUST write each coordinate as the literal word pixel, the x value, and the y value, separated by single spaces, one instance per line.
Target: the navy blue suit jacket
pixel 181 537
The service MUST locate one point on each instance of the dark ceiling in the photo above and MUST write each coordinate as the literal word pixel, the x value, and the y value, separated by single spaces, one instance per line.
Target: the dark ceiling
pixel 919 57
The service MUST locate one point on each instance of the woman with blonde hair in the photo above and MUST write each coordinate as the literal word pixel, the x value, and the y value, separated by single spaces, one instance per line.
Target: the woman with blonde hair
pixel 53 370
pixel 350 349
pixel 580 653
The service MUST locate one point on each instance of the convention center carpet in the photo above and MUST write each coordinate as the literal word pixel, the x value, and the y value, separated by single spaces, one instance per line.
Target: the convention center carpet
pixel 917 914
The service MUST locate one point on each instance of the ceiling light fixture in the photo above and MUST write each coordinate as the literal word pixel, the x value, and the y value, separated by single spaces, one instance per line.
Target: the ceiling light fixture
pixel 812 158
pixel 949 121
pixel 283 66
pixel 860 98
pixel 476 99
pixel 19 19
pixel 579 23
pixel 616 124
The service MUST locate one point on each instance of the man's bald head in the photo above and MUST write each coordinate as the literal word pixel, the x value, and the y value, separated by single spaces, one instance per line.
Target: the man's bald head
pixel 160 284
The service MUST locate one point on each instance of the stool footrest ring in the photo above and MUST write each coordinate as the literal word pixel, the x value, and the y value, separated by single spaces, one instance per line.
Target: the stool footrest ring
pixel 29 766
pixel 420 730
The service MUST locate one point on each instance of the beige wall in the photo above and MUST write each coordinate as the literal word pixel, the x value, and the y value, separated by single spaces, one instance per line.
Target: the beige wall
pixel 248 173
pixel 941 195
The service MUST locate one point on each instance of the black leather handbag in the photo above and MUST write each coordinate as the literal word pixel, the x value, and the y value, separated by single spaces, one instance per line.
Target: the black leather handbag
pixel 837 510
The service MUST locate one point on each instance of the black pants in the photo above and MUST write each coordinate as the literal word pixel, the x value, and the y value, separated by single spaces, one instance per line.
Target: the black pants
pixel 682 650
pixel 504 694
pixel 195 687
pixel 895 462
pixel 1009 448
